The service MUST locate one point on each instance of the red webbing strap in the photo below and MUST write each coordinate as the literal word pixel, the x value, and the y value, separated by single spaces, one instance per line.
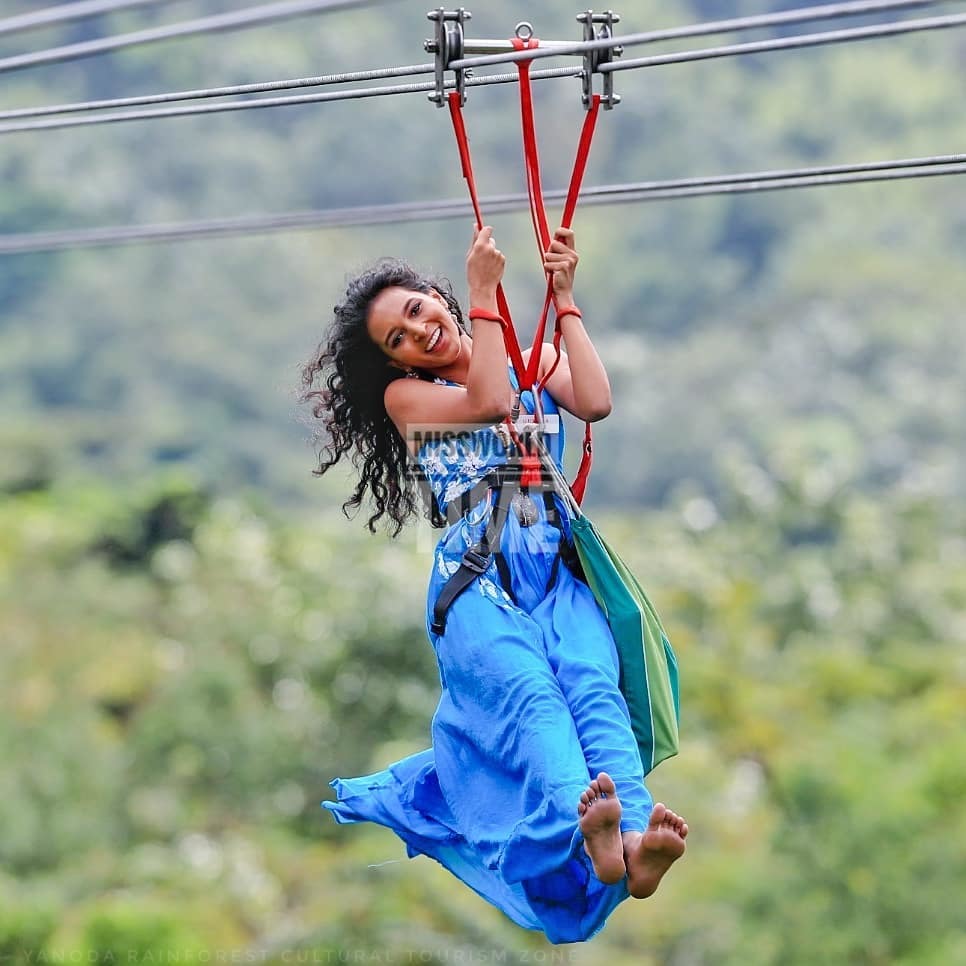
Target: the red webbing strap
pixel 580 162
pixel 527 374
pixel 531 157
pixel 570 206
pixel 538 212
pixel 463 146
pixel 586 461
pixel 579 484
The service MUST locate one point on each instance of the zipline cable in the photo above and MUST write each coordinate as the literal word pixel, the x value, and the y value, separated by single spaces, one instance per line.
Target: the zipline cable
pixel 790 43
pixel 807 40
pixel 799 15
pixel 746 182
pixel 261 102
pixel 66 12
pixel 733 50
pixel 263 88
pixel 236 20
pixel 791 16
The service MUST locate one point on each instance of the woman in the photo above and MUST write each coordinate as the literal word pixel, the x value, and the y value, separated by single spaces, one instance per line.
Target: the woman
pixel 532 742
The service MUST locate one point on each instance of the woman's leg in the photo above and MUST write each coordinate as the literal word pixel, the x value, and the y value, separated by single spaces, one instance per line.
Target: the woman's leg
pixel 583 657
pixel 510 765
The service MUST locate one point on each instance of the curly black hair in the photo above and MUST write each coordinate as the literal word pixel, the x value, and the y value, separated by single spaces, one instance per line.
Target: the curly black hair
pixel 344 383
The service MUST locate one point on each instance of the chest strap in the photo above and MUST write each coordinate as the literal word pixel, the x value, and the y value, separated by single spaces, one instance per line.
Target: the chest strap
pixel 476 559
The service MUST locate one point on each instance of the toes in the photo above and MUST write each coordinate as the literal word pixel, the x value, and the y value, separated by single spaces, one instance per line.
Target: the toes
pixel 673 821
pixel 586 798
pixel 657 815
pixel 581 808
pixel 684 830
pixel 606 783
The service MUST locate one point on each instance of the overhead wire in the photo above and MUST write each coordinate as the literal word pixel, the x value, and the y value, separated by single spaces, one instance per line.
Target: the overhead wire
pixel 294 83
pixel 826 11
pixel 744 182
pixel 263 102
pixel 235 20
pixel 790 43
pixel 798 15
pixel 66 12
pixel 732 50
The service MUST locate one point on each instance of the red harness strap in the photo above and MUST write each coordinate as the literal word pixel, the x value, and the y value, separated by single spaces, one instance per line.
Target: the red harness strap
pixel 527 374
pixel 463 145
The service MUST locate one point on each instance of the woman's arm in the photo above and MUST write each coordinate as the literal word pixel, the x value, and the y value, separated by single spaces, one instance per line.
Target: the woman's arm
pixel 579 383
pixel 487 395
pixel 487 381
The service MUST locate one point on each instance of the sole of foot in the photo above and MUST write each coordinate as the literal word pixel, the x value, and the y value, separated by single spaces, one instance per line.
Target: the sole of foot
pixel 600 823
pixel 655 851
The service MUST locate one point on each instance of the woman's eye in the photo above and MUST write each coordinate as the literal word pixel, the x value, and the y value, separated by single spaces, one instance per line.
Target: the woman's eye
pixel 396 339
pixel 414 311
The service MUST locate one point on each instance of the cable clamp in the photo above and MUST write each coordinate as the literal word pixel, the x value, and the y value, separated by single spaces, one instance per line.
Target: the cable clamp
pixel 594 58
pixel 447 46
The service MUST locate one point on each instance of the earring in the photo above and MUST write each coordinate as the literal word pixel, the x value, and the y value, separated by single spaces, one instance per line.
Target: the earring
pixel 412 374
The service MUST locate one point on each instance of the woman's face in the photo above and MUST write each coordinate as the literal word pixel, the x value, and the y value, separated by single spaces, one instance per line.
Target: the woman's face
pixel 414 329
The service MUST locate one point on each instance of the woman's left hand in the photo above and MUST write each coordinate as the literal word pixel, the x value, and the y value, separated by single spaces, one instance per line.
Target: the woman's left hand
pixel 561 261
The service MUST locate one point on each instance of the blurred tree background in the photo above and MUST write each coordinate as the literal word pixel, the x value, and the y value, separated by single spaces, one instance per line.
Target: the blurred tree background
pixel 195 641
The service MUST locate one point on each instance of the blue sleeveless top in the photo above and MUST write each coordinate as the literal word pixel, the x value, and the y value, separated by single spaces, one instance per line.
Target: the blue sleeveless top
pixel 456 462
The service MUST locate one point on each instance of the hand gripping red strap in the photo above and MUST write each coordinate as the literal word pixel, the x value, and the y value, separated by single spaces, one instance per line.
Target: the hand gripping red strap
pixel 463 145
pixel 527 374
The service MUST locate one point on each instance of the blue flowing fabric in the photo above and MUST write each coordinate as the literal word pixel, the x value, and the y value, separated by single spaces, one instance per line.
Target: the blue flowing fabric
pixel 530 710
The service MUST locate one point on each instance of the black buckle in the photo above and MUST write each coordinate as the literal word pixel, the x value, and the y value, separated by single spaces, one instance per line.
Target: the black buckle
pixel 476 559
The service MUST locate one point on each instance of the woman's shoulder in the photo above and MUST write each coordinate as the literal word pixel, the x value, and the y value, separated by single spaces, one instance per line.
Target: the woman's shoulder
pixel 403 389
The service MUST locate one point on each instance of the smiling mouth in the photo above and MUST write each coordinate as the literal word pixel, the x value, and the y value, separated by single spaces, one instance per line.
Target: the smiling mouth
pixel 434 339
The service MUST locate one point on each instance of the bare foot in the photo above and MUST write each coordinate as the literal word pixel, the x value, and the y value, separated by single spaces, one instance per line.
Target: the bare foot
pixel 600 822
pixel 650 854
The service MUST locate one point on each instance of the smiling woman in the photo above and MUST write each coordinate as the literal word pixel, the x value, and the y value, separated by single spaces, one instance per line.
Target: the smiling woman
pixel 532 739
pixel 356 375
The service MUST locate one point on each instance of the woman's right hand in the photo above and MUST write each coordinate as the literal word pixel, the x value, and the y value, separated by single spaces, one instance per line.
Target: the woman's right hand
pixel 484 266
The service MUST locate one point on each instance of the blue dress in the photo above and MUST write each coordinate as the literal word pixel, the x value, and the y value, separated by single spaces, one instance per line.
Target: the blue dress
pixel 530 711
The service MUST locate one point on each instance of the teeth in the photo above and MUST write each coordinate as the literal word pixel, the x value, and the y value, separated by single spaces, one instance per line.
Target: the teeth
pixel 434 339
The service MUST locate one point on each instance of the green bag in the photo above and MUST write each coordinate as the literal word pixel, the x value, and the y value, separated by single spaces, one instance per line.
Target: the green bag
pixel 648 667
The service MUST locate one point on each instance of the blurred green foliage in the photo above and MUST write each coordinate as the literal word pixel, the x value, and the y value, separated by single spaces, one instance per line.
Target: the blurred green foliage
pixel 171 722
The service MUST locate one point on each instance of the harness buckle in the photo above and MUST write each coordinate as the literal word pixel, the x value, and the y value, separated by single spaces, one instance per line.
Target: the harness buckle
pixel 476 559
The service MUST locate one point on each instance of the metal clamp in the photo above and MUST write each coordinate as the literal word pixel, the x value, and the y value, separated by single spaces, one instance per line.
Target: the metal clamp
pixel 594 58
pixel 448 46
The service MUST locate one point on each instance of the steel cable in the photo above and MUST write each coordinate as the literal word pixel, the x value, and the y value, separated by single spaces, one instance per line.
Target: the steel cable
pixel 263 88
pixel 805 40
pixel 236 20
pixel 792 16
pixel 262 102
pixel 791 43
pixel 66 12
pixel 799 15
pixel 745 182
